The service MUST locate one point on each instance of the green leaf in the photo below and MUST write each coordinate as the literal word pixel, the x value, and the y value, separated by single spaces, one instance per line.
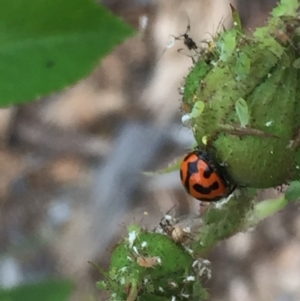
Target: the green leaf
pixel 101 285
pixel 266 208
pixel 296 63
pixel 266 41
pixel 236 19
pixel 170 168
pixel 199 293
pixel 286 7
pixel 48 45
pixel 58 290
pixel 293 192
pixel 242 111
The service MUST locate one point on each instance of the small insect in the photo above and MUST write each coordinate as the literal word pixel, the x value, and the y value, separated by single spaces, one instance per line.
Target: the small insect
pixel 148 262
pixel 181 230
pixel 187 40
pixel 174 231
pixel 204 179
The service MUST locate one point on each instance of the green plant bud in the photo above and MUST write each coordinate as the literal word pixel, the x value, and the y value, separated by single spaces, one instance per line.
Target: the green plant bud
pixel 154 265
pixel 251 115
pixel 264 161
pixel 296 140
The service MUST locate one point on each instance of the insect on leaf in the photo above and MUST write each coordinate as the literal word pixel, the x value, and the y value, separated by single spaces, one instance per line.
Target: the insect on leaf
pixel 227 44
pixel 197 109
pixel 242 111
pixel 242 67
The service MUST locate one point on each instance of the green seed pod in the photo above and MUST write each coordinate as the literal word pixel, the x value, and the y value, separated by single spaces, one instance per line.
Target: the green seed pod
pixel 251 113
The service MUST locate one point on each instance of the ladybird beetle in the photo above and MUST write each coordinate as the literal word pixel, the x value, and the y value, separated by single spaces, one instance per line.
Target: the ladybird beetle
pixel 204 179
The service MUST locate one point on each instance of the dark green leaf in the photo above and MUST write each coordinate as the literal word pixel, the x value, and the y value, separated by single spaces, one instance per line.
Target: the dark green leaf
pixel 296 63
pixel 48 45
pixel 58 290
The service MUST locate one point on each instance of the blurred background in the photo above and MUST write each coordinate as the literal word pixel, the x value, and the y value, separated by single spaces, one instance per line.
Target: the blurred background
pixel 71 164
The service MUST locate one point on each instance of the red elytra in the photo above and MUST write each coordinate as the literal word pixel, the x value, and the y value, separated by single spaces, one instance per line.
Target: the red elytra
pixel 203 179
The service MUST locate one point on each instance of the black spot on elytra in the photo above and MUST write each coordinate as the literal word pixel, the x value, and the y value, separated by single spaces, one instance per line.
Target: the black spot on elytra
pixel 193 167
pixel 206 190
pixel 207 173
